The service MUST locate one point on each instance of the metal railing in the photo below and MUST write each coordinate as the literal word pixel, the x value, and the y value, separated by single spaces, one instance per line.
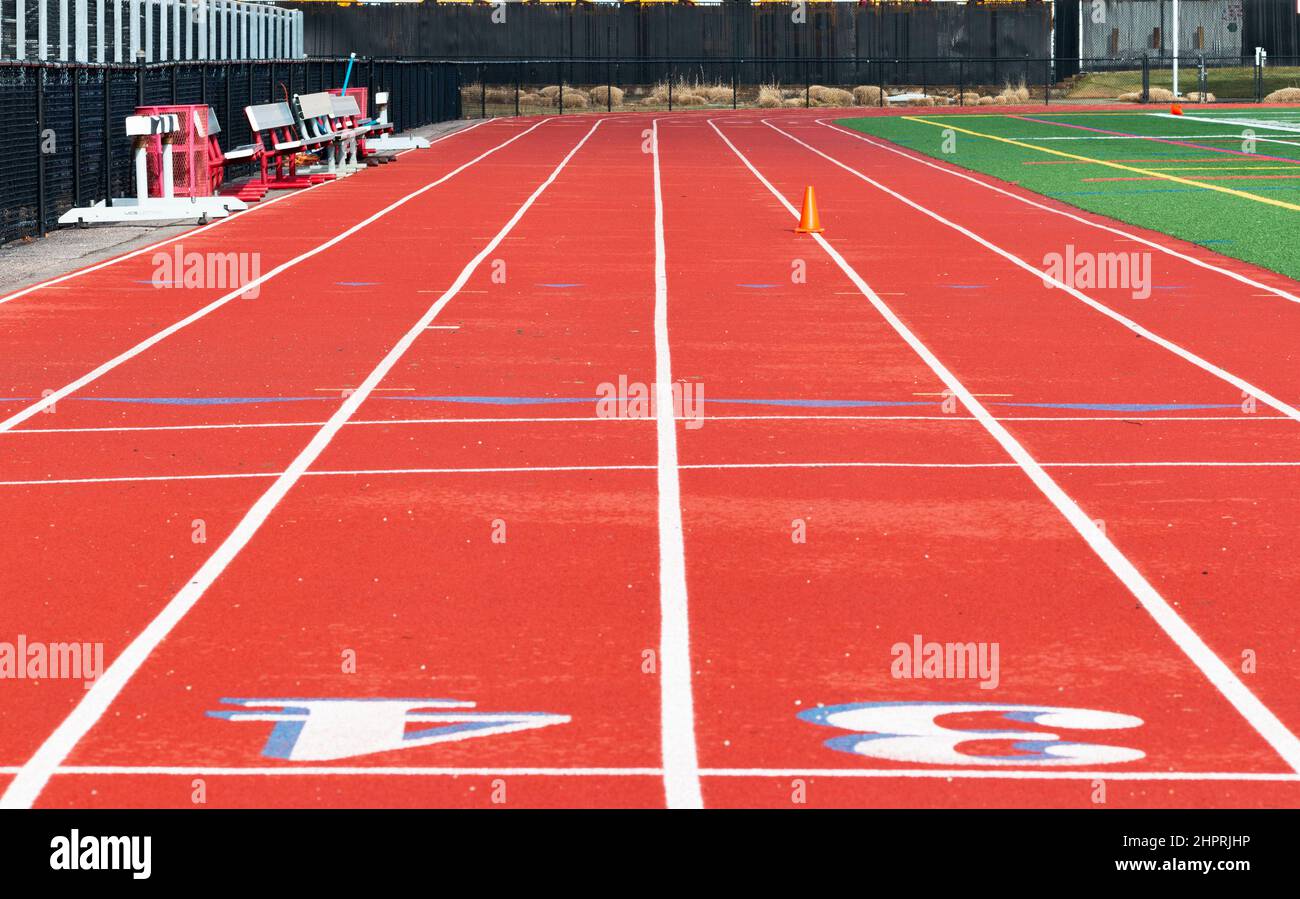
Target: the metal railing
pixel 157 30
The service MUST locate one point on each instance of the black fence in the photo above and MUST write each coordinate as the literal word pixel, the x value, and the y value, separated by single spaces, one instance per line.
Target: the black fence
pixel 632 31
pixel 493 87
pixel 53 151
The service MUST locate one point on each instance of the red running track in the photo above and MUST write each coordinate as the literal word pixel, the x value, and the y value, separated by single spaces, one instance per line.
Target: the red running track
pixel 468 525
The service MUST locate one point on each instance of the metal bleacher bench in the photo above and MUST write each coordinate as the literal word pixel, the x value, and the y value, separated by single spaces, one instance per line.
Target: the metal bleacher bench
pixel 275 147
pixel 319 125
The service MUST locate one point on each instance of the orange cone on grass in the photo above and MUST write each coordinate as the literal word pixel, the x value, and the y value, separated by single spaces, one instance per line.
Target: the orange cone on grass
pixel 1176 109
pixel 809 222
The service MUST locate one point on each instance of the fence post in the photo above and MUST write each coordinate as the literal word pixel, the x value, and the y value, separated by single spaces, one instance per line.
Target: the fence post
pixel 961 82
pixel 40 151
pixel 174 93
pixel 609 85
pixel 139 78
pixel 226 72
pixel 734 66
pixel 76 136
pixel 518 79
pixel 108 136
pixel 807 86
pixel 559 71
pixel 1146 78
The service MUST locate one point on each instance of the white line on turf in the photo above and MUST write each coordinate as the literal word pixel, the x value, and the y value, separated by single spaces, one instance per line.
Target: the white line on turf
pixel 1129 235
pixel 40 285
pixel 1247 122
pixel 1187 355
pixel 57 395
pixel 36 772
pixel 1259 716
pixel 677 705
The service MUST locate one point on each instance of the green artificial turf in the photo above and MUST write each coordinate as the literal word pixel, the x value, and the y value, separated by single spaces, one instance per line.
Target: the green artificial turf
pixel 1232 225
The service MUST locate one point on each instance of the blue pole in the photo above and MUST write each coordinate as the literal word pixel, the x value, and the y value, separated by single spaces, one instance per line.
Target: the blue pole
pixel 347 76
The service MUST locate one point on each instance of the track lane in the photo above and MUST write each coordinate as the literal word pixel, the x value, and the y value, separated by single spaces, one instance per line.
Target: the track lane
pixel 1065 355
pixel 155 532
pixel 445 615
pixel 820 621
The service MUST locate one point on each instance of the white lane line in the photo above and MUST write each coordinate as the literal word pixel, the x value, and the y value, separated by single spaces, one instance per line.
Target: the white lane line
pixel 35 774
pixel 1128 235
pixel 677 704
pixel 40 285
pixel 869 773
pixel 1260 717
pixel 1247 122
pixel 685 466
pixel 1187 355
pixel 234 426
pixel 57 395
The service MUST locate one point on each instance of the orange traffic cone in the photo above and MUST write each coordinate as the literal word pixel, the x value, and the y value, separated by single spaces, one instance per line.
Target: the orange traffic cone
pixel 1176 109
pixel 809 222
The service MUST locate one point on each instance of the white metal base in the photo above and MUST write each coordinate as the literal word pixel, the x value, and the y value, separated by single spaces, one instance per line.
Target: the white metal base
pixel 389 142
pixel 154 209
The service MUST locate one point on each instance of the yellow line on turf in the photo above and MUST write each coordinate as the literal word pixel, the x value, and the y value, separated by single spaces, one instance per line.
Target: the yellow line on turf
pixel 1153 173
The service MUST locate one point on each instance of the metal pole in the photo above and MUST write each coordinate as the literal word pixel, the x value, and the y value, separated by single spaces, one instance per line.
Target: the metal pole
pixel 40 151
pixel 1080 37
pixel 108 137
pixel 1176 48
pixel 76 136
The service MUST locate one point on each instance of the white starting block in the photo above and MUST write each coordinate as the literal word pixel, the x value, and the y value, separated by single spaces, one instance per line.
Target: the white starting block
pixel 389 142
pixel 142 207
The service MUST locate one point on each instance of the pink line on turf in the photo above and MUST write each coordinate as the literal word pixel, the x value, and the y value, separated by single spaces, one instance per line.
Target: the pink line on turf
pixel 1158 140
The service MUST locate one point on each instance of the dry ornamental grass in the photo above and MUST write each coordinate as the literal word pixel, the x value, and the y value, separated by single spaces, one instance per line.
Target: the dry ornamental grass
pixel 1285 95
pixel 830 96
pixel 867 95
pixel 607 95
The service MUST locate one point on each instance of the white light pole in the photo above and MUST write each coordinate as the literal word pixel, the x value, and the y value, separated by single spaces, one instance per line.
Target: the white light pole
pixel 1175 48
